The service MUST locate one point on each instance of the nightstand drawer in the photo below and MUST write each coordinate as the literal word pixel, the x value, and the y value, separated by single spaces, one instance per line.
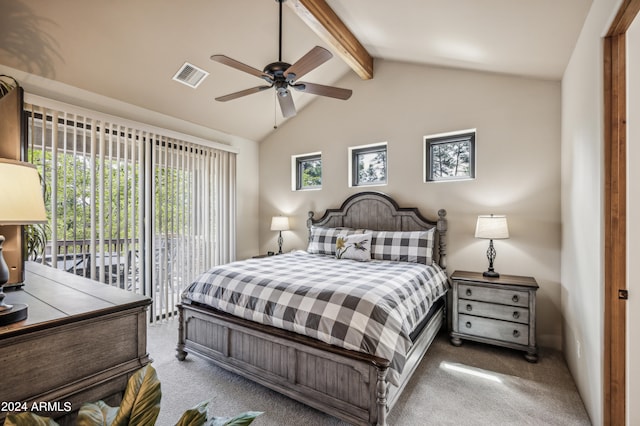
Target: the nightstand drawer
pixel 503 296
pixel 494 329
pixel 491 310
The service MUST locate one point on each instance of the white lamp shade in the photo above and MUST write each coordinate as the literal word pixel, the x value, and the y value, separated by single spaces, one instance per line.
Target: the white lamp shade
pixel 492 227
pixel 279 223
pixel 21 201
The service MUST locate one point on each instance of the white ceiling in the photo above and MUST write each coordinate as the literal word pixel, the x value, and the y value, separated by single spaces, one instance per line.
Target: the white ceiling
pixel 130 50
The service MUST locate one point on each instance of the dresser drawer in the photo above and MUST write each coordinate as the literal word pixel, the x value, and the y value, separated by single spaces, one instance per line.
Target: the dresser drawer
pixel 503 296
pixel 491 310
pixel 494 329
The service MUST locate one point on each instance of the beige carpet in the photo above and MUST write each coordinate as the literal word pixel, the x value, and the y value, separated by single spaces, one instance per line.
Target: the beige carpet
pixel 469 385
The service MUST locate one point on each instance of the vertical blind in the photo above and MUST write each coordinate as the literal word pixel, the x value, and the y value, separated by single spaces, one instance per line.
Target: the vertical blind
pixel 131 205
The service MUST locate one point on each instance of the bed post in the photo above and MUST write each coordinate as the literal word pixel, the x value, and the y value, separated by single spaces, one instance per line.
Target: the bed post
pixel 442 240
pixel 382 389
pixel 309 223
pixel 181 353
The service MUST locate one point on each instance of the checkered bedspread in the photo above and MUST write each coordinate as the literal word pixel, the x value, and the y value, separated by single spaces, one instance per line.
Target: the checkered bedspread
pixel 371 307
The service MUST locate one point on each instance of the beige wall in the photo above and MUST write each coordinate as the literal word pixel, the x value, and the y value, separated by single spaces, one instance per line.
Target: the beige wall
pixel 582 208
pixel 518 165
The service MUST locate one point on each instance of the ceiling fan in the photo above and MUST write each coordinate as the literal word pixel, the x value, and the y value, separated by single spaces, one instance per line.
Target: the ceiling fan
pixel 283 76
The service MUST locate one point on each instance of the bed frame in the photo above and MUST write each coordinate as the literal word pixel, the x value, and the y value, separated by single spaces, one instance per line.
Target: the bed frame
pixel 346 384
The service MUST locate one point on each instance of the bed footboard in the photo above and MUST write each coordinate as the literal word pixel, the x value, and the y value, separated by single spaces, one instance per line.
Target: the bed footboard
pixel 341 386
pixel 345 384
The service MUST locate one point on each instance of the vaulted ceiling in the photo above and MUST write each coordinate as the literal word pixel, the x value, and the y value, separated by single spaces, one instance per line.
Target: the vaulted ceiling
pixel 130 50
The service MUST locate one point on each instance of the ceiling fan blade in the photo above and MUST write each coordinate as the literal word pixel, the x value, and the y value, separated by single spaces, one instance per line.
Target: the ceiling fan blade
pixel 242 93
pixel 286 104
pixel 314 58
pixel 240 66
pixel 319 89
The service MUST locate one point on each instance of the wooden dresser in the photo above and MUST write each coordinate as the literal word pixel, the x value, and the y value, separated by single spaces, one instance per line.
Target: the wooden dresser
pixel 80 343
pixel 500 311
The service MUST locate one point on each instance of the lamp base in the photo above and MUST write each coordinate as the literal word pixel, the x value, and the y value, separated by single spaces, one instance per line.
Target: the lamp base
pixel 17 313
pixel 491 274
pixel 280 240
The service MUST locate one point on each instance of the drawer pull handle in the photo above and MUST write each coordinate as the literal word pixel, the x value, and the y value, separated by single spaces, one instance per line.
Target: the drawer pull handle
pixel 515 298
pixel 516 314
pixel 469 307
pixel 516 333
pixel 468 293
pixel 468 324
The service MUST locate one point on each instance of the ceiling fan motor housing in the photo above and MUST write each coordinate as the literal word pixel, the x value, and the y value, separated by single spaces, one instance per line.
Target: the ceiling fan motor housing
pixel 277 68
pixel 281 83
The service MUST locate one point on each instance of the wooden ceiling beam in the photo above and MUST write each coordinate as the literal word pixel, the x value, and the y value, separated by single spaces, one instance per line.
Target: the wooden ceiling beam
pixel 319 16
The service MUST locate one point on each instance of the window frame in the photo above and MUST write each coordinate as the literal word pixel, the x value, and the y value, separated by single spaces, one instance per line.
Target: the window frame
pixel 430 141
pixel 296 171
pixel 355 152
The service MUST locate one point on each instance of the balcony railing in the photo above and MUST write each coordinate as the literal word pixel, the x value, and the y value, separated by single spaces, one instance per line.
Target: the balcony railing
pixel 122 263
pixel 115 262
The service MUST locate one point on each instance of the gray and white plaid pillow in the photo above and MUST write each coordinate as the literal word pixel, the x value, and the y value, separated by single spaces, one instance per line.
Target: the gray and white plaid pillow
pixel 323 240
pixel 403 246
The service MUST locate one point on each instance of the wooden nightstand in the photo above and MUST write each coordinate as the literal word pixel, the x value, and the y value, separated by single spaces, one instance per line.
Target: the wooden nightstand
pixel 499 311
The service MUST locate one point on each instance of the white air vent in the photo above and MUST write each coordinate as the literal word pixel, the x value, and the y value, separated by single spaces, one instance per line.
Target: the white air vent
pixel 190 75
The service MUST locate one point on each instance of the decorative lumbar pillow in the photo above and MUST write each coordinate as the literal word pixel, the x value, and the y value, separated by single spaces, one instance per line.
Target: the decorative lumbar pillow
pixel 403 246
pixel 323 240
pixel 354 246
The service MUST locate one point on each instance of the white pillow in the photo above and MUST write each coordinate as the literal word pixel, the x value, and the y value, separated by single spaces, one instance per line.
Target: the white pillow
pixel 354 246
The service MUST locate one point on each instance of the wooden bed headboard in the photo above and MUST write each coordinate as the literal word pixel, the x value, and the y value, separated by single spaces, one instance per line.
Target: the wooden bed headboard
pixel 379 212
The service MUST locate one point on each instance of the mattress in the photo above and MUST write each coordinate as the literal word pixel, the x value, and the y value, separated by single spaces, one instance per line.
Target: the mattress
pixel 371 307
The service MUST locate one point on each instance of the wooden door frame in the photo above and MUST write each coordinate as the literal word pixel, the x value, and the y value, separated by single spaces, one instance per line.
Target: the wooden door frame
pixel 615 265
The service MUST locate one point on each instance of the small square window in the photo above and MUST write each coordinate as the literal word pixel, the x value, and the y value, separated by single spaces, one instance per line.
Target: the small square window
pixel 368 165
pixel 450 156
pixel 307 171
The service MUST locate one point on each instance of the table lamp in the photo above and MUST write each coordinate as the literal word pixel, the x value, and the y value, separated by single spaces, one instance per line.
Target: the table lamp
pixel 21 204
pixel 280 223
pixel 492 227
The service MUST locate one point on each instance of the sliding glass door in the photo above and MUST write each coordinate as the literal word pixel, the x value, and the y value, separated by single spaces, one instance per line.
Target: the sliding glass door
pixel 128 205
